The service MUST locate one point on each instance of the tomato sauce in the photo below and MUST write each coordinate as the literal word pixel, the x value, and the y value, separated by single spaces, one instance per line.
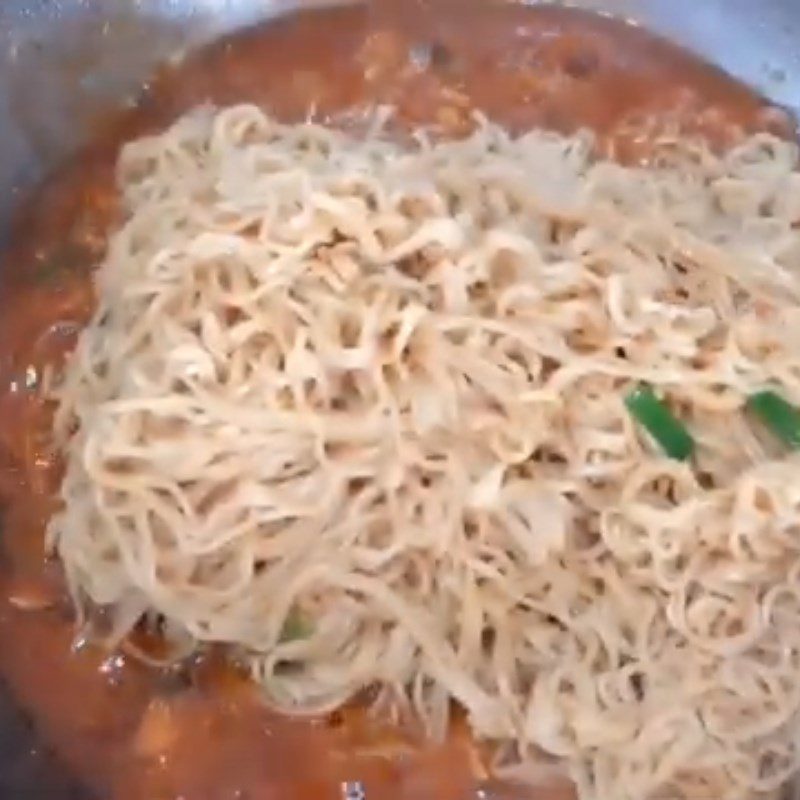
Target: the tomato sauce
pixel 132 732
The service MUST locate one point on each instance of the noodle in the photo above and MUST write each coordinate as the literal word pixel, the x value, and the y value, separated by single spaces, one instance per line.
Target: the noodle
pixel 378 386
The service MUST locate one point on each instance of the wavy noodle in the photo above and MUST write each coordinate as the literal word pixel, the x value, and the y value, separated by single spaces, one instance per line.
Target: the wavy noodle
pixel 377 385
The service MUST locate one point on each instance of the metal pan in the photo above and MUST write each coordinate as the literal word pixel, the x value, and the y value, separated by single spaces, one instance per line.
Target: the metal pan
pixel 64 62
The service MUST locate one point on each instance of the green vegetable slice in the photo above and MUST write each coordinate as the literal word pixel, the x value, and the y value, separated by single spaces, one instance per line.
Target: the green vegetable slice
pixel 654 416
pixel 779 415
pixel 296 627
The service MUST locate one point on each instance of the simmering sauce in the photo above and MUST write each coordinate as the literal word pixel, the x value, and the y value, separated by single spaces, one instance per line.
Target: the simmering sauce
pixel 133 732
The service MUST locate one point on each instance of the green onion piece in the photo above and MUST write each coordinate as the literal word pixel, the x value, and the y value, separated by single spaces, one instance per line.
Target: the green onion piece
pixel 668 432
pixel 780 416
pixel 296 627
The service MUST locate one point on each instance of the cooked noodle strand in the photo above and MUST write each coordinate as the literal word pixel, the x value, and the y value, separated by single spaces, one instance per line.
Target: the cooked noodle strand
pixel 380 384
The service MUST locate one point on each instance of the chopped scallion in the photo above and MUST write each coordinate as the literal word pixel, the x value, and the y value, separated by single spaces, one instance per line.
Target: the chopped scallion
pixel 296 627
pixel 654 416
pixel 779 415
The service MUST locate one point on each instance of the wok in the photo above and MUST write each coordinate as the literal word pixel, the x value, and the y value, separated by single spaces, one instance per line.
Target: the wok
pixel 64 62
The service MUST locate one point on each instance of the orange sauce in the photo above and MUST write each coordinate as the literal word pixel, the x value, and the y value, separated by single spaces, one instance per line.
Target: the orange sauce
pixel 134 733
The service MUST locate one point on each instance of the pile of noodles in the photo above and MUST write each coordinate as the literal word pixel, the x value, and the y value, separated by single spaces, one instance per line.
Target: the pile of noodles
pixel 355 406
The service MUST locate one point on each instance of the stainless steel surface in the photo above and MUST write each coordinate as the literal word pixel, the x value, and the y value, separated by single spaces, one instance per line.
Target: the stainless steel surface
pixel 64 61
